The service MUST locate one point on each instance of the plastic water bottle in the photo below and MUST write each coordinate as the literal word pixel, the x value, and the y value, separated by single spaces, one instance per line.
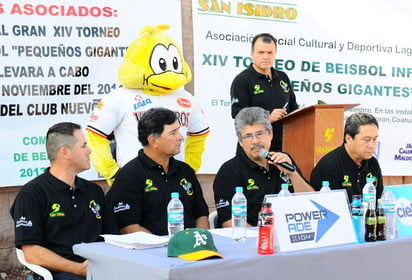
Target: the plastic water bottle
pixel 239 215
pixel 369 193
pixel 325 187
pixel 389 202
pixel 284 191
pixel 358 217
pixel 175 215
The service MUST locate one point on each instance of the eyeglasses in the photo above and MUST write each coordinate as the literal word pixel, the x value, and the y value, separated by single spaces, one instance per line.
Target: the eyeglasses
pixel 248 137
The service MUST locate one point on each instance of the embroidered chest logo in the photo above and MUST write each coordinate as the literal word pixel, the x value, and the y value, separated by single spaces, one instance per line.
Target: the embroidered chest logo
pixel 56 211
pixel 149 186
pixel 187 186
pixel 251 185
pixel 258 90
pixel 346 183
pixel 95 208
pixel 284 86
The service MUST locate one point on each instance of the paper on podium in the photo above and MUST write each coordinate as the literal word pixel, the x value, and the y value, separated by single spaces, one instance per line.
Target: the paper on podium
pixel 136 240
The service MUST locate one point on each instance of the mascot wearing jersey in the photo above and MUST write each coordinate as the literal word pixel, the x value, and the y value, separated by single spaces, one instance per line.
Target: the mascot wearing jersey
pixel 152 74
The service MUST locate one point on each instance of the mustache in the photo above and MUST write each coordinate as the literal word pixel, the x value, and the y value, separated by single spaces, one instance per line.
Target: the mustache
pixel 257 146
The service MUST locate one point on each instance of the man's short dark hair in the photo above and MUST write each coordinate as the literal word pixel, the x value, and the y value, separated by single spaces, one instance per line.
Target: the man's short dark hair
pixel 356 120
pixel 152 123
pixel 60 135
pixel 266 38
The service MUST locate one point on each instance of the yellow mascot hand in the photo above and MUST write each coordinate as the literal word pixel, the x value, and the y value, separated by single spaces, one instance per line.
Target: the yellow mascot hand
pixel 101 156
pixel 194 148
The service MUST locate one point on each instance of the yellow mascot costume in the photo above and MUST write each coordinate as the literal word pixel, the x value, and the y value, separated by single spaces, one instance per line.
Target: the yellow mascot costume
pixel 152 74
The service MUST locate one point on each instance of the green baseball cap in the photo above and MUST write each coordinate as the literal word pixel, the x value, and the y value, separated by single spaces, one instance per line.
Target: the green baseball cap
pixel 192 244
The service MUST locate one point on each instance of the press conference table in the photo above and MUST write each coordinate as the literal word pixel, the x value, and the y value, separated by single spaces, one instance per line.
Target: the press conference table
pixel 378 260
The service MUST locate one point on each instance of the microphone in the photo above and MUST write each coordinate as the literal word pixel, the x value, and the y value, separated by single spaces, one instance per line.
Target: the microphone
pixel 263 153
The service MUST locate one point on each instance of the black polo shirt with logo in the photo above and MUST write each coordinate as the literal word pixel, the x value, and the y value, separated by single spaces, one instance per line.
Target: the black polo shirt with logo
pixel 255 180
pixel 251 88
pixel 49 213
pixel 142 189
pixel 343 173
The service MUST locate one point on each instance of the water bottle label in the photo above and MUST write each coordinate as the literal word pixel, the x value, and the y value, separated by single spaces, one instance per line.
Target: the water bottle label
pixel 368 196
pixel 175 217
pixel 389 208
pixel 239 210
pixel 357 212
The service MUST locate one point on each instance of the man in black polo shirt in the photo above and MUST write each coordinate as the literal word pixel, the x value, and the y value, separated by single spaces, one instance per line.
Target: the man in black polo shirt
pixel 348 166
pixel 257 176
pixel 263 86
pixel 59 209
pixel 139 196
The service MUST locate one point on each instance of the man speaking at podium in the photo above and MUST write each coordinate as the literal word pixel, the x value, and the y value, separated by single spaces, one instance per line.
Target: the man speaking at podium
pixel 263 86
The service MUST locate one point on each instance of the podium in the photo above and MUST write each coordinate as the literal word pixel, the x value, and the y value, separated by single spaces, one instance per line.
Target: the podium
pixel 311 132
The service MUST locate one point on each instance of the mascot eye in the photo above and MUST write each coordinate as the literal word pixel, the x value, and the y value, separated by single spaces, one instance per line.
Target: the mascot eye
pixel 175 63
pixel 166 59
pixel 162 64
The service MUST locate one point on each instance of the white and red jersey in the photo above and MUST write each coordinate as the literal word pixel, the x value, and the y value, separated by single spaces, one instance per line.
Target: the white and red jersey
pixel 119 112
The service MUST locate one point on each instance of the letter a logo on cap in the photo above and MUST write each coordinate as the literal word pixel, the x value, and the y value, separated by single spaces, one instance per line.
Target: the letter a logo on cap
pixel 200 239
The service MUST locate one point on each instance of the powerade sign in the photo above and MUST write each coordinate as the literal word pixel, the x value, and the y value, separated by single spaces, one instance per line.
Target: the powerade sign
pixel 311 220
pixel 304 226
pixel 403 207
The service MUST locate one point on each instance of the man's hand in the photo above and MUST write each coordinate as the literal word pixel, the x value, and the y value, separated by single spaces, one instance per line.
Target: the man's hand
pixel 277 114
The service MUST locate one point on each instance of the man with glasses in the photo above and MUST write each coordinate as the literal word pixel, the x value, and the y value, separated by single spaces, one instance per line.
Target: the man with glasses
pixel 138 199
pixel 258 176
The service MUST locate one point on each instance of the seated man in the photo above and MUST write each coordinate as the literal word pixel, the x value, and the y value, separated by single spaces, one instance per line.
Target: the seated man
pixel 348 166
pixel 139 196
pixel 257 175
pixel 58 209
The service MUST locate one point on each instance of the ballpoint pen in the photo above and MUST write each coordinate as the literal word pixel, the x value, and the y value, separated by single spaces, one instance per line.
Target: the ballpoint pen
pixel 286 105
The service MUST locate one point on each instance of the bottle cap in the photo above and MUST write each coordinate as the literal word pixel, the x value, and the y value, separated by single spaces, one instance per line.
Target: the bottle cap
pixel 174 194
pixel 284 186
pixel 239 189
pixel 267 204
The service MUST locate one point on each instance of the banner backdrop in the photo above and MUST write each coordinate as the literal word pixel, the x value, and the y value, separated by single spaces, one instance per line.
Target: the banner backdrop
pixel 334 51
pixel 58 59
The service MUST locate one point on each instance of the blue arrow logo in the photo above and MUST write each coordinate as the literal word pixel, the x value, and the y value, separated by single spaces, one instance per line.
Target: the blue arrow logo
pixel 325 224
